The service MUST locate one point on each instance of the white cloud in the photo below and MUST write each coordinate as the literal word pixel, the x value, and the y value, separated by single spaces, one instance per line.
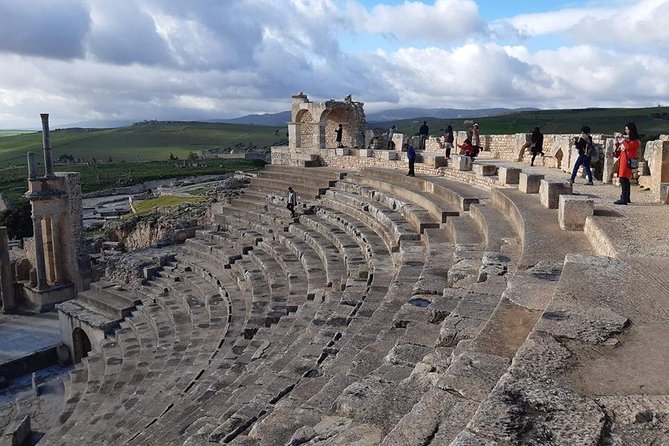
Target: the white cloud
pixel 443 21
pixel 159 59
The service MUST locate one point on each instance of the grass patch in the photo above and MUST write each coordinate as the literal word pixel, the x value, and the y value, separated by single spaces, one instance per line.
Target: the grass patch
pixel 13 181
pixel 4 133
pixel 144 141
pixel 146 206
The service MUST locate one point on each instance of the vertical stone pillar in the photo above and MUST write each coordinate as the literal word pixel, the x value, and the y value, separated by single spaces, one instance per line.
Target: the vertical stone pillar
pixel 6 285
pixel 293 133
pixel 32 171
pixel 40 264
pixel 48 250
pixel 46 144
pixel 58 261
pixel 319 135
pixel 609 161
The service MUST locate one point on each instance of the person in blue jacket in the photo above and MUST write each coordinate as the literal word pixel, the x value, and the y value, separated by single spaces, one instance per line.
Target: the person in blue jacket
pixel 411 156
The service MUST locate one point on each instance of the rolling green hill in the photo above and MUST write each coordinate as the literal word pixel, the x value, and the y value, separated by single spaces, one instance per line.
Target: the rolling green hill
pixel 150 141
pixel 650 121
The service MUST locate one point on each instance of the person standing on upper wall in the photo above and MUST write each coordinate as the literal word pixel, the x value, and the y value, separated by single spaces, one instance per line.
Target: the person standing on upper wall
pixel 582 143
pixel 339 132
pixel 449 140
pixel 411 157
pixel 423 132
pixel 626 160
pixel 476 138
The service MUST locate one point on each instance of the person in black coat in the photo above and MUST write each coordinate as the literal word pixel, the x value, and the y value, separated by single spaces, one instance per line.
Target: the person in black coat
pixel 423 132
pixel 411 156
pixel 339 132
pixel 537 144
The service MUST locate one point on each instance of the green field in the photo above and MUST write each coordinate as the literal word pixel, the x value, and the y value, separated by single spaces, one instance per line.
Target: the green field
pixel 143 142
pixel 13 181
pixel 650 121
pixel 146 206
pixel 4 133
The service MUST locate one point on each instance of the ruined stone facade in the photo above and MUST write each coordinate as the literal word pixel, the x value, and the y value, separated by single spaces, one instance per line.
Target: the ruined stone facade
pixel 313 124
pixel 55 199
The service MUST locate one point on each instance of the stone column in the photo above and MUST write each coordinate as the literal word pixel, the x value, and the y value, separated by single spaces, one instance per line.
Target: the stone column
pixel 319 135
pixel 609 160
pixel 40 264
pixel 32 171
pixel 6 285
pixel 46 144
pixel 58 261
pixel 293 132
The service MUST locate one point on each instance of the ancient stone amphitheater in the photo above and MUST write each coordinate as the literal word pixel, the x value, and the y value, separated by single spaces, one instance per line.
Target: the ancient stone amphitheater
pixel 393 310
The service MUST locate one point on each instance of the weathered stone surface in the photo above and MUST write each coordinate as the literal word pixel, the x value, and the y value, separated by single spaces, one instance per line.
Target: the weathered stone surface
pixel 461 162
pixel 485 170
pixel 529 183
pixel 509 175
pixel 573 210
pixel 549 193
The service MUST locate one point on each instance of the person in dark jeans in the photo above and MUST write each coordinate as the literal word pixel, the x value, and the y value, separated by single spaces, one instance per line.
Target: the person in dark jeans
pixel 583 159
pixel 449 139
pixel 292 201
pixel 537 144
pixel 411 156
pixel 423 132
pixel 628 151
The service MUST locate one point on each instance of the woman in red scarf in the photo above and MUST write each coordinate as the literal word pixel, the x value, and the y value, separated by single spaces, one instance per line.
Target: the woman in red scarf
pixel 625 154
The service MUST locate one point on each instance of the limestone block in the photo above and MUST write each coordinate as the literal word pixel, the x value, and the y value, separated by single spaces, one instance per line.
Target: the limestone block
pixel 549 193
pixel 664 193
pixel 432 159
pixel 365 153
pixel 344 151
pixel 386 154
pixel 609 161
pixel 462 162
pixel 529 182
pixel 509 175
pixel 485 170
pixel 573 210
pixel 398 140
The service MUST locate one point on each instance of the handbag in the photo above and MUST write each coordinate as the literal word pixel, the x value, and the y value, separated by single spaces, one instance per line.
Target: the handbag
pixel 633 163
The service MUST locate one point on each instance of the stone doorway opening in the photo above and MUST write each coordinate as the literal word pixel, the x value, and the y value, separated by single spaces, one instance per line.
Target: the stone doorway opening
pixel 81 344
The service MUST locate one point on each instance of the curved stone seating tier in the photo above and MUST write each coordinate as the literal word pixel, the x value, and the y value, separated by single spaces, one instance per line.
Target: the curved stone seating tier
pixel 412 192
pixel 389 224
pixel 305 192
pixel 417 216
pixel 329 255
pixel 541 237
pixel 497 230
pixel 456 195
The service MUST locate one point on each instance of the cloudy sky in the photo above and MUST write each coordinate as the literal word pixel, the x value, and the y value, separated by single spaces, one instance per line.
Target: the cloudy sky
pixel 206 59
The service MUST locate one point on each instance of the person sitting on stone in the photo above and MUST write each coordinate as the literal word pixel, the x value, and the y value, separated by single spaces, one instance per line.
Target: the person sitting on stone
pixel 467 149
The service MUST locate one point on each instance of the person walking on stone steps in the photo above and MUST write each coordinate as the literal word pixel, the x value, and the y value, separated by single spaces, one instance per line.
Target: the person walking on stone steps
pixel 292 201
pixel 626 160
pixel 422 133
pixel 449 140
pixel 411 156
pixel 583 144
pixel 536 144
pixel 339 132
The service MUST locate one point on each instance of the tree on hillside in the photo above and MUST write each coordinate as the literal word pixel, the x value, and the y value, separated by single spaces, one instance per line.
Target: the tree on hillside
pixel 192 156
pixel 18 221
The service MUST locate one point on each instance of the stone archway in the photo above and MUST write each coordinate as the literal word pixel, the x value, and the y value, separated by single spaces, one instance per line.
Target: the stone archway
pixel 330 120
pixel 305 128
pixel 81 344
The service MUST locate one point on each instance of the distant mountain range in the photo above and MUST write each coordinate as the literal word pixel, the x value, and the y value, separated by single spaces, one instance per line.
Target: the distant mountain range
pixel 281 118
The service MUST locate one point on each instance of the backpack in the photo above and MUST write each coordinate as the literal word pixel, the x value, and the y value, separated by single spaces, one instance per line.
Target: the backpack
pixel 591 150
